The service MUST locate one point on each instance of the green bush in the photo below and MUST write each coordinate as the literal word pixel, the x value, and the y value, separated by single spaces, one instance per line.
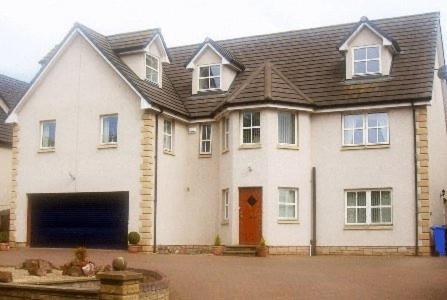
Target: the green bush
pixel 217 241
pixel 262 242
pixel 134 238
pixel 4 237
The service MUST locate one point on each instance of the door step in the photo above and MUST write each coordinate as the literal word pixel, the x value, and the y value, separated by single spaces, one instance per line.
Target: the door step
pixel 240 250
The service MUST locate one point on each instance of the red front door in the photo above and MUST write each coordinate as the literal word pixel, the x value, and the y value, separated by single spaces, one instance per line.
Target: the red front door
pixel 250 215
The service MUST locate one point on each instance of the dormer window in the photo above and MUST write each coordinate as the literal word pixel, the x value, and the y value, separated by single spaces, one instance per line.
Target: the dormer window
pixel 152 69
pixel 209 77
pixel 366 60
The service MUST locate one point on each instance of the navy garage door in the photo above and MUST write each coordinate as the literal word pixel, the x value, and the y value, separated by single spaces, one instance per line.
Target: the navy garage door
pixel 93 220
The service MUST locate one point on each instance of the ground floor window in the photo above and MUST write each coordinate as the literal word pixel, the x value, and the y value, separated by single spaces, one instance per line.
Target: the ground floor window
pixel 225 205
pixel 368 207
pixel 288 204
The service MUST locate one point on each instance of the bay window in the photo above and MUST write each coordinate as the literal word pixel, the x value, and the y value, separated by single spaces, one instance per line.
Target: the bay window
pixel 205 139
pixel 287 129
pixel 365 129
pixel 168 133
pixel 251 127
pixel 368 207
pixel 225 134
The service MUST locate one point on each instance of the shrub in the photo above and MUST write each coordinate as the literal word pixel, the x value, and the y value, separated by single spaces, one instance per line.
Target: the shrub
pixel 217 241
pixel 262 242
pixel 4 237
pixel 80 253
pixel 134 238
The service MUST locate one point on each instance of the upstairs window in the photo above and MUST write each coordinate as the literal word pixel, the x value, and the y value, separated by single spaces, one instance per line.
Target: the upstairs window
pixel 366 60
pixel 48 134
pixel 152 69
pixel 251 127
pixel 205 139
pixel 287 128
pixel 168 133
pixel 225 134
pixel 365 129
pixel 109 129
pixel 209 77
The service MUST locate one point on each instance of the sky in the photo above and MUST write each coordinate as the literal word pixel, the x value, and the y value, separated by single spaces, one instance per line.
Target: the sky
pixel 29 29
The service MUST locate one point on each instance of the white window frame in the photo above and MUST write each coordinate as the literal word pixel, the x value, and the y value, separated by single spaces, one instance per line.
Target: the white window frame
pixel 295 115
pixel 209 140
pixel 369 207
pixel 209 77
pixel 41 134
pixel 225 205
pixel 147 66
pixel 241 117
pixel 366 60
pixel 170 135
pixel 365 128
pixel 296 203
pixel 101 142
pixel 225 134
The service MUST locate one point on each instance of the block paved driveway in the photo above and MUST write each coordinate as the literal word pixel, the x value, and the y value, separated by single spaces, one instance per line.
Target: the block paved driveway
pixel 277 277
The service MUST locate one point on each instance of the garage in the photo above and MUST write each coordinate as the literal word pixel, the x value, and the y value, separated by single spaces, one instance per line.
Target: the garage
pixel 92 220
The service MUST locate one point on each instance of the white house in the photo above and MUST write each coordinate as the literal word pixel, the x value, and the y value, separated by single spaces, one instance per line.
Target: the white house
pixel 329 139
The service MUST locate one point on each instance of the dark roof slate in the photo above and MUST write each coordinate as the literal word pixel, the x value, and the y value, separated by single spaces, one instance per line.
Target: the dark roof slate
pixel 310 59
pixel 11 90
pixel 306 60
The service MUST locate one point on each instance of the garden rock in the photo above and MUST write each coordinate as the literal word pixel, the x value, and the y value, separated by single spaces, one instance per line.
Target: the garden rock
pixel 119 264
pixel 38 267
pixel 5 277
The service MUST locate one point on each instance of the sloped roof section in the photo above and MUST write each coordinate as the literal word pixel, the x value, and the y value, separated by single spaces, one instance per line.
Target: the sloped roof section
pixel 11 90
pixel 267 84
pixel 311 61
pixel 221 50
pixel 130 41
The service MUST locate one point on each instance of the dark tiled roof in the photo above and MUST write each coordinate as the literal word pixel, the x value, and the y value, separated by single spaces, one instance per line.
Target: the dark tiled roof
pixel 129 41
pixel 11 90
pixel 222 51
pixel 307 65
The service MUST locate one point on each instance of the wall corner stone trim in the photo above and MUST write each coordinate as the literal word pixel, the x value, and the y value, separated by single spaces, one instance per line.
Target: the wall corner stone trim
pixel 13 195
pixel 147 176
pixel 422 171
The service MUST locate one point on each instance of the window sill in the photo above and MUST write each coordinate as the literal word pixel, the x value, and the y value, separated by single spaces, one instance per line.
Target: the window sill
pixel 250 146
pixel 365 147
pixel 288 147
pixel 205 155
pixel 168 152
pixel 225 151
pixel 288 222
pixel 368 227
pixel 107 146
pixel 46 150
pixel 225 222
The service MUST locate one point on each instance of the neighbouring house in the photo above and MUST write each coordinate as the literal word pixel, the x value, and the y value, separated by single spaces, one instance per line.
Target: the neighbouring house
pixel 330 139
pixel 11 90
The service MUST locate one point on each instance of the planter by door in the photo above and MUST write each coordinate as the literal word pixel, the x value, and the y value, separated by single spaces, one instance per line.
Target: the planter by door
pixel 250 215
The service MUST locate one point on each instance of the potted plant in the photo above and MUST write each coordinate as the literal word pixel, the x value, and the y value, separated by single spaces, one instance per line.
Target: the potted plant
pixel 134 239
pixel 4 241
pixel 217 248
pixel 262 249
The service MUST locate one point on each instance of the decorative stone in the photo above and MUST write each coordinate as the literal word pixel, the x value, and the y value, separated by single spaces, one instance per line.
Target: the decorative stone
pixel 5 277
pixel 119 264
pixel 38 267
